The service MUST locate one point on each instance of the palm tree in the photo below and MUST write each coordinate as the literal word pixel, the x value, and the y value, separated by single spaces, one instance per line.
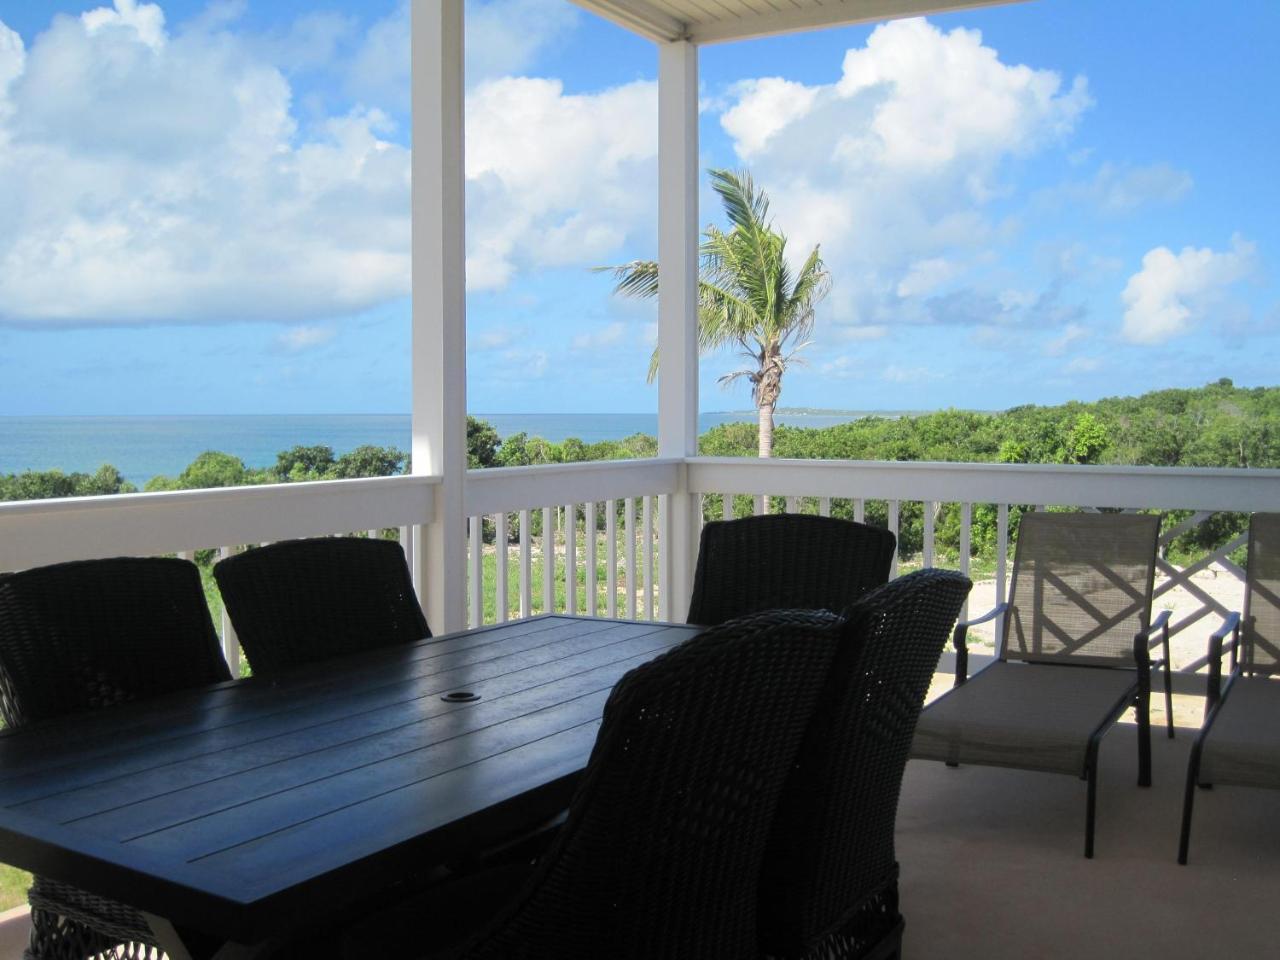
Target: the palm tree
pixel 748 294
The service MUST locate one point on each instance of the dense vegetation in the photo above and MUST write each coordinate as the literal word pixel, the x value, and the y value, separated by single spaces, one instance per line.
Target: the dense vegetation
pixel 1219 425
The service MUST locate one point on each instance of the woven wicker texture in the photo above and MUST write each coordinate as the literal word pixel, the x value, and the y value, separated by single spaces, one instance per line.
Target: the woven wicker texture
pixel 302 601
pixel 829 881
pixel 1030 716
pixel 1260 635
pixel 1081 587
pixel 786 561
pixel 87 635
pixel 660 857
pixel 96 633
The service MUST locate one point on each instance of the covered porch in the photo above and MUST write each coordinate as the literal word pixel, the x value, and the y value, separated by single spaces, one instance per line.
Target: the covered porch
pixel 991 858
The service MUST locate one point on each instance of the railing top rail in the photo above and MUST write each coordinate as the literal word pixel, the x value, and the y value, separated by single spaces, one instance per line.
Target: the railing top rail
pixel 37 532
pixel 1200 488
pixel 515 488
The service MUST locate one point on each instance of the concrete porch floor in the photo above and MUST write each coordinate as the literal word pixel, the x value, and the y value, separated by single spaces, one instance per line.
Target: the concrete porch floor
pixel 993 865
pixel 993 868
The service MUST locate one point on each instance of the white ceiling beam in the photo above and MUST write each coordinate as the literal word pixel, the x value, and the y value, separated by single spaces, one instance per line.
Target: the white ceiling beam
pixel 833 13
pixel 642 17
pixel 639 17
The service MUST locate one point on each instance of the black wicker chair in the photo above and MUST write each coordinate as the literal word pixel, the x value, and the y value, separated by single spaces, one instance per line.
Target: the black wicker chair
pixel 84 636
pixel 303 601
pixel 784 562
pixel 829 890
pixel 660 856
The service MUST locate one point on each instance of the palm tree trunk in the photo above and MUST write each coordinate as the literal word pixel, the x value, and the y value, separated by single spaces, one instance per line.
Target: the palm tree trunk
pixel 764 433
pixel 765 429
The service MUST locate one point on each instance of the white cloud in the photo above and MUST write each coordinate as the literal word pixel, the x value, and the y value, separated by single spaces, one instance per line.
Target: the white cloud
pixel 502 37
pixel 925 276
pixel 300 338
pixel 496 339
pixel 1073 333
pixel 555 179
pixel 890 166
pixel 844 368
pixel 610 336
pixel 1174 291
pixel 146 22
pixel 894 373
pixel 1084 365
pixel 762 108
pixel 154 177
pixel 1121 189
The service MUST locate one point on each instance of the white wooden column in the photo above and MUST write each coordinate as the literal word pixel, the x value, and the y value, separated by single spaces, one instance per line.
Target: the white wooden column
pixel 439 304
pixel 678 309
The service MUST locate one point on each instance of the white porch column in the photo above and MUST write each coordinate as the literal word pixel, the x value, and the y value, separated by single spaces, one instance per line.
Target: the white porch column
pixel 678 308
pixel 439 304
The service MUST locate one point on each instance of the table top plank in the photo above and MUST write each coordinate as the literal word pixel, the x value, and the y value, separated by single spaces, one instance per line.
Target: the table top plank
pixel 74 791
pixel 222 807
pixel 308 764
pixel 225 705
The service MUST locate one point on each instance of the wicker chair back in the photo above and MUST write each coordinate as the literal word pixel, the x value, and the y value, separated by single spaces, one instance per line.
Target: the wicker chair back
pixel 83 636
pixel 94 633
pixel 786 562
pixel 303 601
pixel 660 856
pixel 829 886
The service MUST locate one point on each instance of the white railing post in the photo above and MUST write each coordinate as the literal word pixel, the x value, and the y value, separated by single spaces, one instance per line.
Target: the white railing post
pixel 439 392
pixel 677 312
pixel 230 642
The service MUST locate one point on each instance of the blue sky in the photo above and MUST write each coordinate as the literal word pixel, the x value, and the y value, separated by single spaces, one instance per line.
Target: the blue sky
pixel 204 205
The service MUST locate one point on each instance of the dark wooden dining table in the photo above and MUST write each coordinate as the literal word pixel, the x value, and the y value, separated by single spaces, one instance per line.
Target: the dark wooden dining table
pixel 238 815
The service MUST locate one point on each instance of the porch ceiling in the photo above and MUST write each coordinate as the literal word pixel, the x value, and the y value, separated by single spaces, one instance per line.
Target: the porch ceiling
pixel 714 21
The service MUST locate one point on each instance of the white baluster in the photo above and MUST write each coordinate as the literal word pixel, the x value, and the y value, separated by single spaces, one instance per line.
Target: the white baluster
pixel 611 566
pixel 590 583
pixel 630 525
pixel 929 506
pixel 893 528
pixel 500 566
pixel 548 560
pixel 571 559
pixel 646 542
pixel 476 587
pixel 526 563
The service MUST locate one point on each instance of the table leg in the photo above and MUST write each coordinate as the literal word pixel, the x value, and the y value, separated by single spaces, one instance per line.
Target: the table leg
pixel 179 947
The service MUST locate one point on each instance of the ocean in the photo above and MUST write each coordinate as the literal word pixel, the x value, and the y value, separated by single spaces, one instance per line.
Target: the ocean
pixel 143 447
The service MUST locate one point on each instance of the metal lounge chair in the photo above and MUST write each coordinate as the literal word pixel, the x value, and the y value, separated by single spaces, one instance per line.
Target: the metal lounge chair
pixel 302 601
pixel 1239 743
pixel 662 849
pixel 86 636
pixel 786 561
pixel 829 888
pixel 1074 654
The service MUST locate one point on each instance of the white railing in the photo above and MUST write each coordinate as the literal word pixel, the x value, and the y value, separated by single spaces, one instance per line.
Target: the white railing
pixel 38 532
pixel 595 529
pixel 741 486
pixel 608 522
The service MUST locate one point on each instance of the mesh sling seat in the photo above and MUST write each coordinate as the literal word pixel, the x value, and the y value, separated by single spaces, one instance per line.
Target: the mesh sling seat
pixel 829 890
pixel 85 636
pixel 303 601
pixel 660 856
pixel 1239 743
pixel 1074 655
pixel 786 561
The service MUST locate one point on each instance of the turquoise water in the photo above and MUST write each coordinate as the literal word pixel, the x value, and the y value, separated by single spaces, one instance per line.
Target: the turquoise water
pixel 142 447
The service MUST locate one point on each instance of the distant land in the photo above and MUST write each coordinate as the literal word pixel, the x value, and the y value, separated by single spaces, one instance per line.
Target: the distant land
pixel 146 446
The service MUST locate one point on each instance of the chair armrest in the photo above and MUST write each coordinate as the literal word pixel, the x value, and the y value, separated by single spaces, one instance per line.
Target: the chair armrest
pixel 1158 632
pixel 1231 625
pixel 962 633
